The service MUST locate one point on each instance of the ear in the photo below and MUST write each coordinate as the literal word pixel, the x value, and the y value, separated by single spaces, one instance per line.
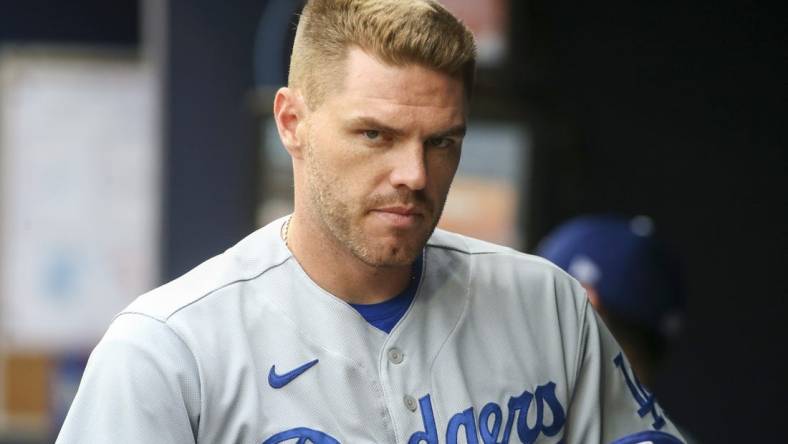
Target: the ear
pixel 290 115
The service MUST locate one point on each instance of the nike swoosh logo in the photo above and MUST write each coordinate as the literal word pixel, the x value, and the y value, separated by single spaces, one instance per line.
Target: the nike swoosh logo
pixel 278 381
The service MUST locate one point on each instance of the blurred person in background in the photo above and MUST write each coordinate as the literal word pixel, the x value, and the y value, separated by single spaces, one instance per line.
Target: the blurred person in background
pixel 631 279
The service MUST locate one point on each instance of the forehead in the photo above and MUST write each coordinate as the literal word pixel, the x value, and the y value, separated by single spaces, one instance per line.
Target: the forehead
pixel 379 87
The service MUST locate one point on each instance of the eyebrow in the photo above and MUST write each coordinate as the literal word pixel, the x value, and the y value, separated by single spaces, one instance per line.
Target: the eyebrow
pixel 371 122
pixel 455 131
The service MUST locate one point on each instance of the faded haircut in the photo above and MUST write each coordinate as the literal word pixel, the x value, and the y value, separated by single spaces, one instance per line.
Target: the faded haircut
pixel 397 32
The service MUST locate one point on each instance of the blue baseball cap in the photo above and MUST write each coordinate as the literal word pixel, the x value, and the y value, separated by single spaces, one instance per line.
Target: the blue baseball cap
pixel 632 272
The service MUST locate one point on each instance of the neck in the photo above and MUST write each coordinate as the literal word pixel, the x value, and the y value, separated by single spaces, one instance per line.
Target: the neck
pixel 340 272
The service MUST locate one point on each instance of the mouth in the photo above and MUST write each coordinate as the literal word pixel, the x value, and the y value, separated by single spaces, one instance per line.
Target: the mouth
pixel 399 216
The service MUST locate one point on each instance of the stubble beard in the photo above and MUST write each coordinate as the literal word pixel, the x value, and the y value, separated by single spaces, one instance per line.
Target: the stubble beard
pixel 337 219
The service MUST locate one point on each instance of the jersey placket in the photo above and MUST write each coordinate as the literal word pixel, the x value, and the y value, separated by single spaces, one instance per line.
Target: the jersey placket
pixel 406 359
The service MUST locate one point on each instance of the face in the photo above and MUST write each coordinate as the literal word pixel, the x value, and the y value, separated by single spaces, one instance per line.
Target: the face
pixel 380 156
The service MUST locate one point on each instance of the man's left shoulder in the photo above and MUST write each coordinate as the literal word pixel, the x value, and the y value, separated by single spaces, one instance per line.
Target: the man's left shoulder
pixel 448 240
pixel 506 272
pixel 498 255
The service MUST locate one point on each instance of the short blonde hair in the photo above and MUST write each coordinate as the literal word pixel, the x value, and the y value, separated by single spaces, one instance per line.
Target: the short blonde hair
pixel 397 32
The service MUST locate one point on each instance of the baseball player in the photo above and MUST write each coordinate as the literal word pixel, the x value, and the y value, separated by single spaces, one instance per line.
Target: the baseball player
pixel 353 320
pixel 631 279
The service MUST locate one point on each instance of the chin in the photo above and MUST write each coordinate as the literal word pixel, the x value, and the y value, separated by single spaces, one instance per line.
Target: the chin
pixel 391 261
pixel 390 254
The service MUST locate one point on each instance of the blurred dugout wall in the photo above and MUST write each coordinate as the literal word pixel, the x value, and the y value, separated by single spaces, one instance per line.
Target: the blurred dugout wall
pixel 159 178
pixel 79 161
pixel 80 149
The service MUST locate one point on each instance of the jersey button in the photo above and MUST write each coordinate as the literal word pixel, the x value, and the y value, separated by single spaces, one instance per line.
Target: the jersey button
pixel 410 403
pixel 396 356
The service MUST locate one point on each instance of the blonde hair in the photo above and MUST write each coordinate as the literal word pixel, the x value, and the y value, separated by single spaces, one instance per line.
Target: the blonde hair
pixel 397 32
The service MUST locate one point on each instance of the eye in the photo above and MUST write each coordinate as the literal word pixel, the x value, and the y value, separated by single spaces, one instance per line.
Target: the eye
pixel 371 134
pixel 440 142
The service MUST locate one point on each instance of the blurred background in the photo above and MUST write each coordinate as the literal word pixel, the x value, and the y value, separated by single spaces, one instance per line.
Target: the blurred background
pixel 136 141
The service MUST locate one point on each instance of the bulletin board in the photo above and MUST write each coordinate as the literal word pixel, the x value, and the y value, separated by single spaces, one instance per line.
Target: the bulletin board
pixel 79 193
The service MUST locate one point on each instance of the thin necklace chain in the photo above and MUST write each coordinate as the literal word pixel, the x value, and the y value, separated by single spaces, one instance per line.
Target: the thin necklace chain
pixel 286 230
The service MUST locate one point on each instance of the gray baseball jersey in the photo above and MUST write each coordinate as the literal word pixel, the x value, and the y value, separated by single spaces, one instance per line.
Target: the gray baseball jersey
pixel 496 347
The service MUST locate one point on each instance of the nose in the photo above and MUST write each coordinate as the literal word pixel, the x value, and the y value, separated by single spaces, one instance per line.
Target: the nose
pixel 410 167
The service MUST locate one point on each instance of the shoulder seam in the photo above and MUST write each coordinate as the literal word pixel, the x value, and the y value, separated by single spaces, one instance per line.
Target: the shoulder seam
pixel 470 253
pixel 174 312
pixel 166 317
pixel 444 247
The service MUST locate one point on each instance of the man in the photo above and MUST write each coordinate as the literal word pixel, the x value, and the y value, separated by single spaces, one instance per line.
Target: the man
pixel 351 321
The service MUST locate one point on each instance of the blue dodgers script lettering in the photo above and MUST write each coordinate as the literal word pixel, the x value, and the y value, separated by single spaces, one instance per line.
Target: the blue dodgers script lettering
pixel 489 425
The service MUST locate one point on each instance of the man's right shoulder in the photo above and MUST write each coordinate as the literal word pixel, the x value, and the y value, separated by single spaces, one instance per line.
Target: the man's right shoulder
pixel 246 261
